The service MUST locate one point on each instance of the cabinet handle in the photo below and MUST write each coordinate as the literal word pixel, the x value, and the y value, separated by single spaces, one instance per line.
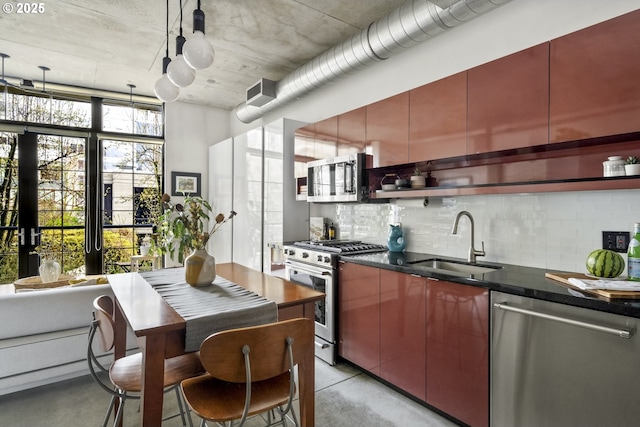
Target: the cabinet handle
pixel 622 333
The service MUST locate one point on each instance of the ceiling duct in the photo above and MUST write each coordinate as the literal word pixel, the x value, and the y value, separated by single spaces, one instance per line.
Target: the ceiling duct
pixel 412 23
pixel 262 92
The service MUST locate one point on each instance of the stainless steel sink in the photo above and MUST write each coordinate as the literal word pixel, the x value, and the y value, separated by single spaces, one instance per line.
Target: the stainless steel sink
pixel 456 267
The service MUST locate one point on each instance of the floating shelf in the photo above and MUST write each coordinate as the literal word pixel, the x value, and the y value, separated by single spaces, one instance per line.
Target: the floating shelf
pixel 593 184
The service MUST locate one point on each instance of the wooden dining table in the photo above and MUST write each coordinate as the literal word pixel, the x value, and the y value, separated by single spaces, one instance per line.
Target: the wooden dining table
pixel 160 330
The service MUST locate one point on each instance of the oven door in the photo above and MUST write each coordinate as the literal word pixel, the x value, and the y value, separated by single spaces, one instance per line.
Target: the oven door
pixel 321 280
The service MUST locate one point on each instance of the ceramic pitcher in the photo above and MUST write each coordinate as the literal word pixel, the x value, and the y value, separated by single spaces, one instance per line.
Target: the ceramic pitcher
pixel 396 242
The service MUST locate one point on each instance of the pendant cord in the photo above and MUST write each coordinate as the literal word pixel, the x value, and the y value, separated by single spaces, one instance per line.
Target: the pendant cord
pixel 167 27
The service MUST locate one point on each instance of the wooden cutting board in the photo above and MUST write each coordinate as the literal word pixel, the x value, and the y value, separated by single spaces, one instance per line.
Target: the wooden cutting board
pixel 34 282
pixel 564 279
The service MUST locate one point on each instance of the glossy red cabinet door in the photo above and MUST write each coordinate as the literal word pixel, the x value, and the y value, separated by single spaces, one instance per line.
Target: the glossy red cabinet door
pixel 304 146
pixel 388 130
pixel 458 351
pixel 352 132
pixel 359 315
pixel 438 119
pixel 402 331
pixel 509 102
pixel 595 80
pixel 326 138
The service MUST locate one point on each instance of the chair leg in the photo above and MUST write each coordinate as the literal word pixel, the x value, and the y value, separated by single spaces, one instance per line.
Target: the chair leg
pixel 283 416
pixel 109 410
pixel 119 413
pixel 184 409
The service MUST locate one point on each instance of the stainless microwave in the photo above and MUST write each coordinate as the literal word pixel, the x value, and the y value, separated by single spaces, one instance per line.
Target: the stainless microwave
pixel 340 179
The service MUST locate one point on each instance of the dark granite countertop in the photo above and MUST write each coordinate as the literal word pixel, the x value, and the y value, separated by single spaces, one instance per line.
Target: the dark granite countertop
pixel 512 279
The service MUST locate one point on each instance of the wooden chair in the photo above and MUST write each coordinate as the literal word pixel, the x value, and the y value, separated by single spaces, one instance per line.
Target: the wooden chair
pixel 125 374
pixel 262 356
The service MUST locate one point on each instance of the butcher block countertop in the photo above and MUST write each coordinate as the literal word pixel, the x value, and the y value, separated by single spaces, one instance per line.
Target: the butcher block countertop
pixel 513 279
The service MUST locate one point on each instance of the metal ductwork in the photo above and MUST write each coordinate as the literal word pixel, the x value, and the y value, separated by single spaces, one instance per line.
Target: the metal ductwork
pixel 412 23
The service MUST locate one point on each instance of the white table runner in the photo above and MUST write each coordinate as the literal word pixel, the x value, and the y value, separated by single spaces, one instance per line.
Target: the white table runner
pixel 208 309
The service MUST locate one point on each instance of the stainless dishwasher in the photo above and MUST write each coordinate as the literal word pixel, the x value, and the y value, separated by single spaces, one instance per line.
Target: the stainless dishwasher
pixel 562 366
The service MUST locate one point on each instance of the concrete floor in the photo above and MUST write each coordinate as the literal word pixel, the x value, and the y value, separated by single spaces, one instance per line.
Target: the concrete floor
pixel 344 397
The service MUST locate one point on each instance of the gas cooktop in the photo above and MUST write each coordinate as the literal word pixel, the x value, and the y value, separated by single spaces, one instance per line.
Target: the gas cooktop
pixel 340 246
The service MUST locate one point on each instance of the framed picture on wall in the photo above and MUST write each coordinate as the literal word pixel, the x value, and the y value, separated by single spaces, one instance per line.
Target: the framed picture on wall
pixel 185 183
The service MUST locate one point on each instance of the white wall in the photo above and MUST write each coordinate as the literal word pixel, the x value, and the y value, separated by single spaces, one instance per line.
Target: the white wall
pixel 189 131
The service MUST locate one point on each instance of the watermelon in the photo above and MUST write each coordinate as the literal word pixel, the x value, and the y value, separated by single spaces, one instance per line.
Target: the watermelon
pixel 605 263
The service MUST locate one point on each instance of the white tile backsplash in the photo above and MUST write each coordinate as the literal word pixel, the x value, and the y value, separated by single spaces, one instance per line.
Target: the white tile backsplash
pixel 544 230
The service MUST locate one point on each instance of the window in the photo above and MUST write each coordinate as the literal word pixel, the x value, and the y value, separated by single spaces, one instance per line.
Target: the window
pixel 59 157
pixel 47 110
pixel 132 174
pixel 131 119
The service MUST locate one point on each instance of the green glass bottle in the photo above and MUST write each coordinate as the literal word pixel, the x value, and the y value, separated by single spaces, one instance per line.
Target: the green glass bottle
pixel 633 259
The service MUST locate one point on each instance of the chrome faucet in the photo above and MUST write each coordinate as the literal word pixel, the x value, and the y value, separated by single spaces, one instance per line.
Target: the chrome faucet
pixel 473 253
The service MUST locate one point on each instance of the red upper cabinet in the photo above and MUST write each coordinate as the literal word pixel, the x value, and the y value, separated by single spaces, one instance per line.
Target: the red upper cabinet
pixel 595 80
pixel 508 104
pixel 402 331
pixel 388 130
pixel 352 132
pixel 304 146
pixel 326 138
pixel 438 119
pixel 458 351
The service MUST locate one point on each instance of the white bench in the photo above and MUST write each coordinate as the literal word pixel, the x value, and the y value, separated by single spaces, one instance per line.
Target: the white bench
pixel 43 335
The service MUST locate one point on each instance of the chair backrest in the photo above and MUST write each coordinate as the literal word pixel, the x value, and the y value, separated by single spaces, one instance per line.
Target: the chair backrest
pixel 103 314
pixel 222 356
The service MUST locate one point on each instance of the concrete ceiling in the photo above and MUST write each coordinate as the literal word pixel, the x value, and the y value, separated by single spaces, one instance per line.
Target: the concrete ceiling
pixel 111 43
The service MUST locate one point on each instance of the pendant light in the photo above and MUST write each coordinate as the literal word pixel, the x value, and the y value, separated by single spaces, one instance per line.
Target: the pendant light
pixel 164 89
pixel 197 51
pixel 179 72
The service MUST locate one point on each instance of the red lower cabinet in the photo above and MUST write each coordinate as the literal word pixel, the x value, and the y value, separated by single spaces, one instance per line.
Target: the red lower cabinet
pixel 457 356
pixel 402 331
pixel 359 315
pixel 427 337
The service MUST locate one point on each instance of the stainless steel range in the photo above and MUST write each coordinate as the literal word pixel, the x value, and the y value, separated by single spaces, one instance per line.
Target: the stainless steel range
pixel 314 264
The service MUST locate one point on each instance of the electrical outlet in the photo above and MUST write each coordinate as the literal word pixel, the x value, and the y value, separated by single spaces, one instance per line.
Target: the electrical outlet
pixel 617 241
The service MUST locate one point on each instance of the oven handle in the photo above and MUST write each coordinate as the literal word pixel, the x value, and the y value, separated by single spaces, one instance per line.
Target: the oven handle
pixel 307 269
pixel 321 346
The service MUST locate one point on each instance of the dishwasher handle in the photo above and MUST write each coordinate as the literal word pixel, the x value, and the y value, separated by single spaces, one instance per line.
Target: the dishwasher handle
pixel 622 333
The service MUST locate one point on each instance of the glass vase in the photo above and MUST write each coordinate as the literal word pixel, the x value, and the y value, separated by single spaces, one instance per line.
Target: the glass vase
pixel 49 270
pixel 200 268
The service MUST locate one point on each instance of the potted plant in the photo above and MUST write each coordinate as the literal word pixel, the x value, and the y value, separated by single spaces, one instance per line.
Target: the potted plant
pixel 632 166
pixel 183 232
pixel 417 179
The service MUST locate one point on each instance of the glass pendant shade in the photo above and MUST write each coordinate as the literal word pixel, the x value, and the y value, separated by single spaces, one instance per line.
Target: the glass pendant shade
pixel 180 73
pixel 198 52
pixel 165 90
